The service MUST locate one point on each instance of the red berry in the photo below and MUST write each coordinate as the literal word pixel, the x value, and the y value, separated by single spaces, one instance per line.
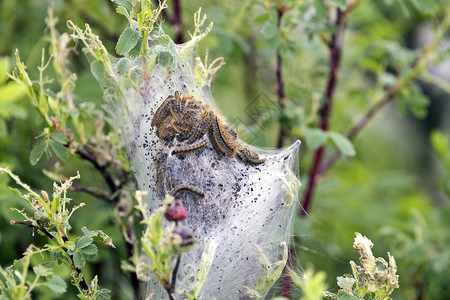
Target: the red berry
pixel 176 212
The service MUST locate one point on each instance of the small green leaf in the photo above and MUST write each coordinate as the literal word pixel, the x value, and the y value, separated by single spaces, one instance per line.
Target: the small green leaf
pixel 82 242
pixel 164 58
pixel 104 293
pixel 127 41
pixel 269 30
pixel 78 260
pixel 261 18
pixel 344 296
pixel 98 69
pixel 11 109
pixel 57 284
pixel 38 149
pixel 89 250
pixel 426 6
pixel 38 269
pixel 4 69
pixel 124 3
pixel 123 11
pixel 441 145
pixel 321 9
pixel 89 233
pixel 11 91
pixel 342 143
pixel 419 102
pixel 137 49
pixel 172 49
pixel 60 150
pixel 340 3
pixel 55 255
pixel 59 137
pixel 345 283
pixel 315 138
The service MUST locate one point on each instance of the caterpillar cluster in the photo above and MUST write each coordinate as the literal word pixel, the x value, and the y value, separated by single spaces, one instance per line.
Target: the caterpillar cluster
pixel 188 120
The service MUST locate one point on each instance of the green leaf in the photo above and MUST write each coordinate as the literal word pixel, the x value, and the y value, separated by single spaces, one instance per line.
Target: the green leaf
pixel 426 6
pixel 441 145
pixel 127 41
pixel 137 49
pixel 315 138
pixel 82 242
pixel 11 109
pixel 38 149
pixel 321 9
pixel 57 284
pixel 342 143
pixel 89 233
pixel 124 3
pixel 98 69
pixel 164 58
pixel 11 91
pixel 172 48
pixel 89 250
pixel 60 150
pixel 342 4
pixel 55 255
pixel 78 260
pixel 59 137
pixel 419 102
pixel 269 30
pixel 38 269
pixel 123 11
pixel 345 283
pixel 4 69
pixel 344 296
pixel 261 18
pixel 104 293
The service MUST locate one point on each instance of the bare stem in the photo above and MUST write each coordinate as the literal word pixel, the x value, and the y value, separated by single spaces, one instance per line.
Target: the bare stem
pixel 103 169
pixel 91 191
pixel 177 22
pixel 171 288
pixel 388 97
pixel 335 47
pixel 284 132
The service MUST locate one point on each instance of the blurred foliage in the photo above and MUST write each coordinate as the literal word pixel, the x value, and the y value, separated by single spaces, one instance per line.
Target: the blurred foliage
pixel 395 190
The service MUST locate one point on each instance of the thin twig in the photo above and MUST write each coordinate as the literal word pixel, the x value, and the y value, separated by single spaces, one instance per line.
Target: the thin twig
pixel 335 47
pixel 103 169
pixel 171 289
pixel 93 192
pixel 83 283
pixel 388 97
pixel 41 229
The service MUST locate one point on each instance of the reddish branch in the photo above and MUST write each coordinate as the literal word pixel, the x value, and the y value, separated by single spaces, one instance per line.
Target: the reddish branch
pixel 175 20
pixel 335 47
pixel 113 184
pixel 388 97
pixel 280 83
pixel 177 23
pixel 286 289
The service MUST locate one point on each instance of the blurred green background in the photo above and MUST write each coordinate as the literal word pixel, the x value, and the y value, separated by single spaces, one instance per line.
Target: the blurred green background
pixel 395 190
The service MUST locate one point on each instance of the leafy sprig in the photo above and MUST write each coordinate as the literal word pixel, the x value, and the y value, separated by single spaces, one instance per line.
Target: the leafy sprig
pixel 51 217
